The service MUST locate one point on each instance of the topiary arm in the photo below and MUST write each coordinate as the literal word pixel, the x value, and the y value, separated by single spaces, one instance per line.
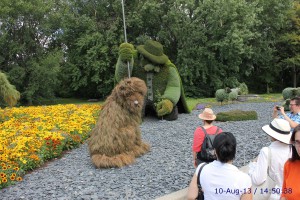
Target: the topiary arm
pixel 172 91
pixel 127 53
pixel 8 91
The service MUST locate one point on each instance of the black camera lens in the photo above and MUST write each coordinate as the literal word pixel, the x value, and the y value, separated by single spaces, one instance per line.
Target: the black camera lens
pixel 278 107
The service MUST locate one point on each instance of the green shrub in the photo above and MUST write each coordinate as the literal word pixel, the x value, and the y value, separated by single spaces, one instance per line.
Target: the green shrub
pixel 243 89
pixel 286 105
pixel 287 93
pixel 296 92
pixel 233 95
pixel 236 115
pixel 221 95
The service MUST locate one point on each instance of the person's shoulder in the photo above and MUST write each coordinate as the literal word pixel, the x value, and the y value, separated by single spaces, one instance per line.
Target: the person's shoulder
pixel 264 150
pixel 213 129
pixel 198 129
pixel 289 164
pixel 199 166
pixel 244 178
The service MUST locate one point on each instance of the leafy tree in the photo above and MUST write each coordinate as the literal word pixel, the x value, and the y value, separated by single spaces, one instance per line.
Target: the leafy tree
pixel 290 45
pixel 271 23
pixel 26 33
pixel 91 35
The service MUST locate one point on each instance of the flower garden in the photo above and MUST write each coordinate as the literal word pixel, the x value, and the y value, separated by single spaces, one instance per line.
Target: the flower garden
pixel 29 136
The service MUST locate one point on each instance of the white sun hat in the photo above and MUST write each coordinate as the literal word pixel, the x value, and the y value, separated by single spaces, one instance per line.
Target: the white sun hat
pixel 279 129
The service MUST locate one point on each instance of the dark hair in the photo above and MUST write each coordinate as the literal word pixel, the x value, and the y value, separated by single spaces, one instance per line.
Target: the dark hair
pixel 295 155
pixel 225 146
pixel 209 121
pixel 297 100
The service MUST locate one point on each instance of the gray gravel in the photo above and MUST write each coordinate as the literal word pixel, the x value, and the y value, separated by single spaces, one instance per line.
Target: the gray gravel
pixel 165 169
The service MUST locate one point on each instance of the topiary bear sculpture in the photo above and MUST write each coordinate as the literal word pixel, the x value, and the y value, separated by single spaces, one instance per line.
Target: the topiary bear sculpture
pixel 165 95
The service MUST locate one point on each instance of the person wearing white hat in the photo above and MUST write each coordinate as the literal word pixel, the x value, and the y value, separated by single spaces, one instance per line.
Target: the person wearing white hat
pixel 270 161
pixel 207 117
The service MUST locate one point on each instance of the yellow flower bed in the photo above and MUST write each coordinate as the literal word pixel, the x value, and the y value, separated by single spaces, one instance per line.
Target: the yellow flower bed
pixel 31 135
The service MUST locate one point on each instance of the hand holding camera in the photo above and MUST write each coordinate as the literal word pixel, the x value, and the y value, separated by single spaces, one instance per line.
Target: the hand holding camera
pixel 278 107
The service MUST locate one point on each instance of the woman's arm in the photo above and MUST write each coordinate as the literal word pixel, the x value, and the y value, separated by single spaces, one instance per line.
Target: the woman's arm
pixel 193 189
pixel 259 173
pixel 247 196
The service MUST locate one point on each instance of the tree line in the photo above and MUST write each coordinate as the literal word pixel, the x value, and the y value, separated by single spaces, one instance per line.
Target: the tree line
pixel 59 48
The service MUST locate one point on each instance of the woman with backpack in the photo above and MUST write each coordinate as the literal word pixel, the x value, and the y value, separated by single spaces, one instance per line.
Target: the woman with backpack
pixel 220 179
pixel 202 146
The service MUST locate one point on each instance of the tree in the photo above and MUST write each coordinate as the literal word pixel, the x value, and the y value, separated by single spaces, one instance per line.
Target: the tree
pixel 290 44
pixel 271 23
pixel 27 30
pixel 91 35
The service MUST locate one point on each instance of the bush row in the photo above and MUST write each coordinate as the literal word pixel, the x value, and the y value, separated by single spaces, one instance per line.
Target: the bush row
pixel 231 94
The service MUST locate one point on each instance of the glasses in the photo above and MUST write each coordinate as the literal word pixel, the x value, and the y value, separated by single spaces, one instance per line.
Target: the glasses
pixel 293 104
pixel 295 143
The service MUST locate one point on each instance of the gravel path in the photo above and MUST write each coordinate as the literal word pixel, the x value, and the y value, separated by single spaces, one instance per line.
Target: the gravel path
pixel 165 169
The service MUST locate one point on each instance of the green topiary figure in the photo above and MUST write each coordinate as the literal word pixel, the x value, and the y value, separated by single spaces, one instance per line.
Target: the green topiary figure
pixel 8 91
pixel 165 95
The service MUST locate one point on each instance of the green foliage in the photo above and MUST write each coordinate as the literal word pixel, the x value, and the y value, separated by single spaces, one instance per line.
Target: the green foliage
pixel 7 91
pixel 236 115
pixel 233 95
pixel 243 89
pixel 221 95
pixel 290 43
pixel 296 92
pixel 286 105
pixel 287 93
pixel 28 29
pixel 223 43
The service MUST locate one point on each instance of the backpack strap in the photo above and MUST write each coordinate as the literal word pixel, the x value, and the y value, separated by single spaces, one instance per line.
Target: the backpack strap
pixel 217 130
pixel 198 176
pixel 204 131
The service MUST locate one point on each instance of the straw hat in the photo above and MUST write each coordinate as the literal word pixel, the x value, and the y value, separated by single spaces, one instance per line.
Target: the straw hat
pixel 207 114
pixel 153 51
pixel 279 129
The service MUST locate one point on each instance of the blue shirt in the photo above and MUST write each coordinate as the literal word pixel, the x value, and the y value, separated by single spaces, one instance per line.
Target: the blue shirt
pixel 293 117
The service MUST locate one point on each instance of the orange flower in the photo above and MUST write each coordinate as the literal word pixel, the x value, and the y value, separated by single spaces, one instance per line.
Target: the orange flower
pixel 14 174
pixel 4 167
pixel 4 180
pixel 19 178
pixel 16 168
pixel 12 178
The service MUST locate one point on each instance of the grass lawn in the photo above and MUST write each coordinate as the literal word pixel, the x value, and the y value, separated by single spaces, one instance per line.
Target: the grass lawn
pixel 69 101
pixel 210 102
pixel 192 102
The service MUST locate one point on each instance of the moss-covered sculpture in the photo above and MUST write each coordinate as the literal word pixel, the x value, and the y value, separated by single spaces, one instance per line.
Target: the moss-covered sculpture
pixel 165 95
pixel 116 139
pixel 7 91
